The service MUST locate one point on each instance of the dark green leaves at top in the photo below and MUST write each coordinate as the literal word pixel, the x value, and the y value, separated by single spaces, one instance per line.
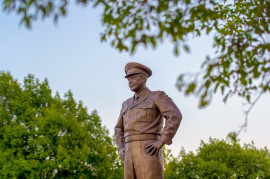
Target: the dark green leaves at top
pixel 240 31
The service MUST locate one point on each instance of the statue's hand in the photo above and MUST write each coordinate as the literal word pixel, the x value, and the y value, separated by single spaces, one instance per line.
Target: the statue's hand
pixel 122 153
pixel 153 148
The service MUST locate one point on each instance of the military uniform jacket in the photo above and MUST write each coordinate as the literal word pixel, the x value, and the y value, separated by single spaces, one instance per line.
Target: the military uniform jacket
pixel 143 119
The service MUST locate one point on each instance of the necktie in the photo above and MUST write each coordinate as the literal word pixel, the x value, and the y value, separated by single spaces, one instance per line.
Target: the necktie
pixel 136 99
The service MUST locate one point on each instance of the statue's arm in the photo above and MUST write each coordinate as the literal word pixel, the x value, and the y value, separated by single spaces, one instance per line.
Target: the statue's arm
pixel 172 115
pixel 119 135
pixel 173 118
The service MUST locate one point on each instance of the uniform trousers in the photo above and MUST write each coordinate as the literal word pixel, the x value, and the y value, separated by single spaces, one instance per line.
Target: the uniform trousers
pixel 139 165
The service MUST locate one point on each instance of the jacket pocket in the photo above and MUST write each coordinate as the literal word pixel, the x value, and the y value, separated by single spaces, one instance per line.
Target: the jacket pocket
pixel 147 111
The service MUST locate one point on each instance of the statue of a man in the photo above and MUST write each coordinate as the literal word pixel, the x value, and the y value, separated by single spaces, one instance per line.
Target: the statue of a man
pixel 139 131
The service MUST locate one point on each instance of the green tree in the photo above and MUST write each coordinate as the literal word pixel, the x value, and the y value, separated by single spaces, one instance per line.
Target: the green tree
pixel 220 159
pixel 240 31
pixel 45 136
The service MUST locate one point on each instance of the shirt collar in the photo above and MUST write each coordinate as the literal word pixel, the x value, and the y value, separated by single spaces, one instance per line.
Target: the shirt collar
pixel 136 97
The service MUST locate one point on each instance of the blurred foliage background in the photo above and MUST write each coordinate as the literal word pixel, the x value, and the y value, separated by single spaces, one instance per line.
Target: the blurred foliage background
pixel 45 136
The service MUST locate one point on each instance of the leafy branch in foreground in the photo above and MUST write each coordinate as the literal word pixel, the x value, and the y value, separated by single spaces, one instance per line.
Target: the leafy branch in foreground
pixel 240 31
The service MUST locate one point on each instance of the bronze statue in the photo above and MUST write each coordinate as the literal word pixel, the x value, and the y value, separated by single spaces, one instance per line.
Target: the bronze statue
pixel 139 131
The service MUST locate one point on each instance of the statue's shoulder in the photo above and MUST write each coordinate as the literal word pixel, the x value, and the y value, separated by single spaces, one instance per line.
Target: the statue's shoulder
pixel 127 102
pixel 158 93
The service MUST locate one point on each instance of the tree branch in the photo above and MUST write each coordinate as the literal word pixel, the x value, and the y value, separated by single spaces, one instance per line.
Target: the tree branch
pixel 246 113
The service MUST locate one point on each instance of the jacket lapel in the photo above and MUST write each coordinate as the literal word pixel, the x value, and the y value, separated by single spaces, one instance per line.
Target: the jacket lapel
pixel 143 97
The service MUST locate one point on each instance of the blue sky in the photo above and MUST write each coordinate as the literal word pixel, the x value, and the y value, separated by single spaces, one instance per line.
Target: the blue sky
pixel 71 56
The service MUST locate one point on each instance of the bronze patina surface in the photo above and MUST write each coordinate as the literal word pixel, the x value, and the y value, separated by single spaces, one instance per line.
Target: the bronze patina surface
pixel 139 132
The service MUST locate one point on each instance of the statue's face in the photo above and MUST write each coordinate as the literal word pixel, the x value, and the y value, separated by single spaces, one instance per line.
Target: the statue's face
pixel 136 82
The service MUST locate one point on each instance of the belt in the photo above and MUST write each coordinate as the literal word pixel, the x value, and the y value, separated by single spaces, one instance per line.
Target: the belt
pixel 141 137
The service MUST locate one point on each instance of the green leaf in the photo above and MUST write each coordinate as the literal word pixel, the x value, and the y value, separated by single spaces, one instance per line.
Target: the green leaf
pixel 176 50
pixel 186 48
pixel 190 88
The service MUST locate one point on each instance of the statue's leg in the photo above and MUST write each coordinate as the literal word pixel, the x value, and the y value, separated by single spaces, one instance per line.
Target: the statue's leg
pixel 128 163
pixel 146 166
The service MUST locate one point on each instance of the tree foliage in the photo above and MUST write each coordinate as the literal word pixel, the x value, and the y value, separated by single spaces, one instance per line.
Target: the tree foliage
pixel 240 31
pixel 220 159
pixel 45 136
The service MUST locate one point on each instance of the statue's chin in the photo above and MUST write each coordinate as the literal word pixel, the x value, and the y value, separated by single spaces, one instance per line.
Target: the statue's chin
pixel 134 90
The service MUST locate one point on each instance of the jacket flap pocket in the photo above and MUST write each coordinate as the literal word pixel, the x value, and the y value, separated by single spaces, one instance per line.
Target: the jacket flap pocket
pixel 146 105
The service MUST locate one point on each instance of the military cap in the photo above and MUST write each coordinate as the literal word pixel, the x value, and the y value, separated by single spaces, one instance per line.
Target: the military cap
pixel 133 68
